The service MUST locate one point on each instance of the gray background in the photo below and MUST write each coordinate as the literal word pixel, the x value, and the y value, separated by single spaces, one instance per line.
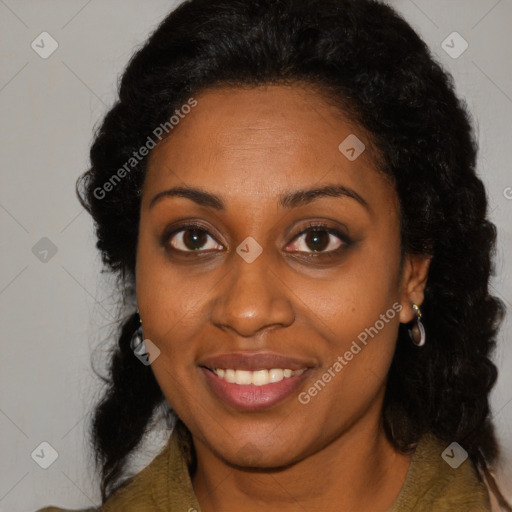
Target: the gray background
pixel 55 312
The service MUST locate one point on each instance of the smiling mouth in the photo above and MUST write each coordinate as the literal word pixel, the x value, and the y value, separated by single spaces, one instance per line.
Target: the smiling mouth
pixel 254 381
pixel 255 377
pixel 253 390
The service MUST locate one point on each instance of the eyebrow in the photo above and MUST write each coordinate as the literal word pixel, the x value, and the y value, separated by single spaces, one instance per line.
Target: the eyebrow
pixel 288 200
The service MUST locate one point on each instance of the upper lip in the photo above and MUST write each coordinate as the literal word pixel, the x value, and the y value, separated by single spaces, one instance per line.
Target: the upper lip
pixel 254 361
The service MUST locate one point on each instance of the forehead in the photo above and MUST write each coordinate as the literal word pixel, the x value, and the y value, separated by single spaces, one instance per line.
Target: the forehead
pixel 254 144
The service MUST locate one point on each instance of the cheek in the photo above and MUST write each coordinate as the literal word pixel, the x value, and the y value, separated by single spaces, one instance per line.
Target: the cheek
pixel 359 312
pixel 356 336
pixel 168 295
pixel 357 294
pixel 165 305
pixel 173 304
pixel 360 328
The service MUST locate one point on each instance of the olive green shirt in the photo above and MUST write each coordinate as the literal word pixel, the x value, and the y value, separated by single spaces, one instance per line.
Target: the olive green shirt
pixel 431 484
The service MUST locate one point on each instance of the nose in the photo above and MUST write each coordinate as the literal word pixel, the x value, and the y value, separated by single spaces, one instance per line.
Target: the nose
pixel 252 298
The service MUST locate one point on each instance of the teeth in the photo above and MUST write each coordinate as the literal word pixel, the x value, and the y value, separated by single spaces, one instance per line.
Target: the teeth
pixel 276 374
pixel 243 377
pixel 256 377
pixel 259 377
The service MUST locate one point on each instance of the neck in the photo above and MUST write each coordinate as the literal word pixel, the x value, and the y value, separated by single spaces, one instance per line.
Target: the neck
pixel 358 470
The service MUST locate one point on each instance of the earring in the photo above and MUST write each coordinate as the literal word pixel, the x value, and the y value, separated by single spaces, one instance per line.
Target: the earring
pixel 417 331
pixel 137 338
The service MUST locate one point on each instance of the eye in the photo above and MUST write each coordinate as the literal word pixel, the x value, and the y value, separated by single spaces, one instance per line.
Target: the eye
pixel 320 239
pixel 191 238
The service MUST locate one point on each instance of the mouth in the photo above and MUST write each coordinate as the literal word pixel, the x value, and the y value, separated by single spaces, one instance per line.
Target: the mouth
pixel 254 381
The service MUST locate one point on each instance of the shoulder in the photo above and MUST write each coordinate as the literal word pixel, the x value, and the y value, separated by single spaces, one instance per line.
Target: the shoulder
pixel 57 509
pixel 149 489
pixel 441 478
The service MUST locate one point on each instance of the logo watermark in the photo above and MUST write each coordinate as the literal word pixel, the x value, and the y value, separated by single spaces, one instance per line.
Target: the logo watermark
pixel 454 455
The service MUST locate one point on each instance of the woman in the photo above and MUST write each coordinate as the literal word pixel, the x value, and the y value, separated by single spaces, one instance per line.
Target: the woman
pixel 287 191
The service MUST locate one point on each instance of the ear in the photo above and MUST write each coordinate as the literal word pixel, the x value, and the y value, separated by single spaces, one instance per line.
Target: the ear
pixel 413 282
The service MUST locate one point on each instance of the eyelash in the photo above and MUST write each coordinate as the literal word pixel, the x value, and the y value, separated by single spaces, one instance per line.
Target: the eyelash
pixel 311 226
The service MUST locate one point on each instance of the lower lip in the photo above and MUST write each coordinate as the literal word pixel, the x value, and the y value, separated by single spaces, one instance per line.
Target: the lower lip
pixel 251 397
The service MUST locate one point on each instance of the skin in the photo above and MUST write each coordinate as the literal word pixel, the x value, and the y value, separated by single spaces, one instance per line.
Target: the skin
pixel 250 146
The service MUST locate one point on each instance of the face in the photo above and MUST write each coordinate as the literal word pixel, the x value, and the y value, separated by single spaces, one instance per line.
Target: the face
pixel 275 309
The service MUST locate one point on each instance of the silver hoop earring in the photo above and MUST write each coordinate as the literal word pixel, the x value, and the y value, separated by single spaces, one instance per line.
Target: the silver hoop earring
pixel 137 337
pixel 417 331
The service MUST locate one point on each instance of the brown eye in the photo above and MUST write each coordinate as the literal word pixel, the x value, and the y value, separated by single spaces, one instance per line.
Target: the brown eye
pixel 191 239
pixel 194 239
pixel 319 240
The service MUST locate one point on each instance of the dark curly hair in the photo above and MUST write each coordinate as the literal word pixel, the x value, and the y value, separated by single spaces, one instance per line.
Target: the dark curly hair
pixel 366 60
